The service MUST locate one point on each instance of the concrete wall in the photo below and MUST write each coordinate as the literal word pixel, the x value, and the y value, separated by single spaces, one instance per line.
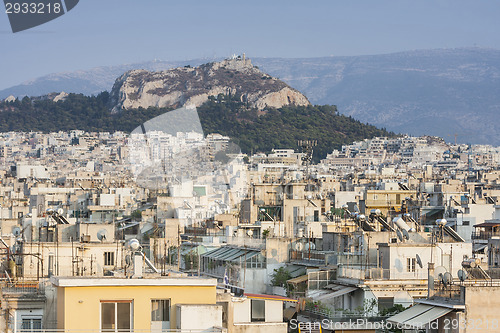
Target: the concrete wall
pixel 242 310
pixel 198 316
pixel 90 255
pixel 482 304
pixel 255 279
pixel 274 311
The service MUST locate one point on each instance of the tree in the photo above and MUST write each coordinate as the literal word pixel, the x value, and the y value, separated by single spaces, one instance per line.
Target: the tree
pixel 280 276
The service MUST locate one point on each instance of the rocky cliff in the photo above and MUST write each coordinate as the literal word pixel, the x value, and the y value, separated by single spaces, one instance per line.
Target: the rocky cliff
pixel 193 86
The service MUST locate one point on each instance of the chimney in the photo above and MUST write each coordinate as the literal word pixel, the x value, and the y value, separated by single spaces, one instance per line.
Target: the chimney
pixel 430 280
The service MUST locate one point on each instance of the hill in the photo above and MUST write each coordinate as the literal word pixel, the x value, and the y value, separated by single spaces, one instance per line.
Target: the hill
pixel 194 85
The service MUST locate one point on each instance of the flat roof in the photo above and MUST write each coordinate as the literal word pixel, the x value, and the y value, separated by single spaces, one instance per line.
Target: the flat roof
pixel 271 297
pixel 78 281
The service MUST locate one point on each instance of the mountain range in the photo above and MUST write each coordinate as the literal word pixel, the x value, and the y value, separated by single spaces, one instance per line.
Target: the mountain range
pixel 451 93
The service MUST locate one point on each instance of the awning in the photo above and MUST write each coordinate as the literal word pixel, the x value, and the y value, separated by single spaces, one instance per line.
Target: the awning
pixel 234 254
pixel 288 313
pixel 409 313
pixel 342 290
pixel 299 279
pixel 434 211
pixel 427 317
pixel 295 270
pixel 419 315
pixel 479 247
pixel 487 224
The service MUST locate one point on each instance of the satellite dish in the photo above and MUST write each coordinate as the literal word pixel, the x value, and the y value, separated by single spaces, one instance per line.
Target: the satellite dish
pixel 406 235
pixel 400 235
pixel 49 211
pixel 102 234
pixel 462 275
pixel 134 244
pixel 250 232
pixel 419 261
pixel 60 211
pixel 361 217
pixel 447 278
pixel 299 246
pixel 440 270
pixel 16 231
pixel 311 246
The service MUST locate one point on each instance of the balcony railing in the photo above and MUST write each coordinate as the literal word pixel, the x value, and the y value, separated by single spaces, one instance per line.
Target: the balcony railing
pixel 377 273
pixel 24 287
pixel 485 235
pixel 450 293
pixel 306 255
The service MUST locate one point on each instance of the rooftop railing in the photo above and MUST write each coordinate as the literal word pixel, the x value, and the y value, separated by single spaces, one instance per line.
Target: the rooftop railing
pixel 211 330
pixel 306 255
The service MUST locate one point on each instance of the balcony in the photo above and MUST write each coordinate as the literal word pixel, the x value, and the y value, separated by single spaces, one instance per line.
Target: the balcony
pixel 484 235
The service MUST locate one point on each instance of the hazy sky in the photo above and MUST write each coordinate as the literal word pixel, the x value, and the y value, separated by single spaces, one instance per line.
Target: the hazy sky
pixel 108 32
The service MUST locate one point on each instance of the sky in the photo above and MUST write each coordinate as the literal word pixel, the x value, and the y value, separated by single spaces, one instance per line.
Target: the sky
pixel 111 32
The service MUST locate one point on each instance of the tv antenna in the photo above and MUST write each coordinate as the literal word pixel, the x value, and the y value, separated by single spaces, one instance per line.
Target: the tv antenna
pixel 307 149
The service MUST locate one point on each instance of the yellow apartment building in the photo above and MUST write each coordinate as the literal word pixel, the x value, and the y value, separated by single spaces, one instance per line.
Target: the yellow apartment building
pixel 387 200
pixel 147 304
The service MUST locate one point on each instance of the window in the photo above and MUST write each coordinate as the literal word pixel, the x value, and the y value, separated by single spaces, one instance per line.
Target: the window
pixel 410 264
pixel 316 216
pixel 466 223
pixel 258 310
pixel 116 316
pixel 160 310
pixel 385 303
pixel 29 324
pixel 109 258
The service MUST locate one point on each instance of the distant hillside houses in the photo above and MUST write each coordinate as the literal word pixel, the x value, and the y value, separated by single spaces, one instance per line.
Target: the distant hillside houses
pixel 414 152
